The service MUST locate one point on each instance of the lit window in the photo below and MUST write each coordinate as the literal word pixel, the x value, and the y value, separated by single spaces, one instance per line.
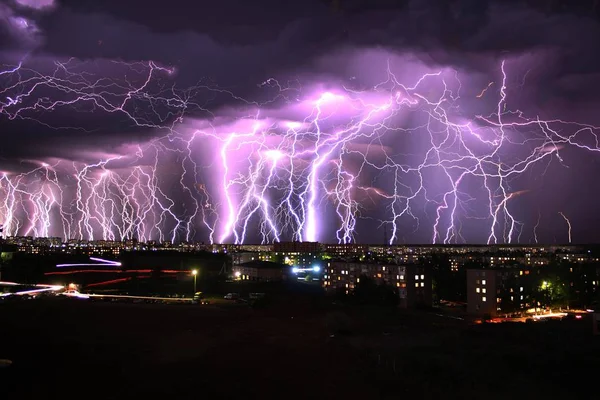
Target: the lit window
pixel 416 277
pixel 416 284
pixel 422 284
pixel 521 297
pixel 483 299
pixel 384 268
pixel 422 276
pixel 483 290
pixel 397 284
pixel 521 289
pixel 357 280
pixel 477 290
pixel 483 282
pixel 401 277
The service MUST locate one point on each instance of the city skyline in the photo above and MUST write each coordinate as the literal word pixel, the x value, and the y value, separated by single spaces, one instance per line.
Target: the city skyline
pixel 360 141
pixel 58 242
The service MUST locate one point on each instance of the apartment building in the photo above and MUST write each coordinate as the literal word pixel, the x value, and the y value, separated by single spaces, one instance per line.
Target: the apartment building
pixel 412 282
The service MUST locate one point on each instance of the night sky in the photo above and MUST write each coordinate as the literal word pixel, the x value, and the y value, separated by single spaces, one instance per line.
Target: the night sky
pixel 236 61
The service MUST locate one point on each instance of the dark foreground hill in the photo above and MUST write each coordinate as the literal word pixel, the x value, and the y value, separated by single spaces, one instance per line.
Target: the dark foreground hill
pixel 63 349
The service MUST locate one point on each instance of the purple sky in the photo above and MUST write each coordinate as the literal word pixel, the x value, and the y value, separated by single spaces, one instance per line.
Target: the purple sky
pixel 313 46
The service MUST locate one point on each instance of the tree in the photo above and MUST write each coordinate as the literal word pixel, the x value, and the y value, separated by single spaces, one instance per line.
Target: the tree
pixel 367 291
pixel 550 291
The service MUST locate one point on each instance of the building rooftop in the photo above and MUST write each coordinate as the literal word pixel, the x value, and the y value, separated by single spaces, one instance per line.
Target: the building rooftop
pixel 262 264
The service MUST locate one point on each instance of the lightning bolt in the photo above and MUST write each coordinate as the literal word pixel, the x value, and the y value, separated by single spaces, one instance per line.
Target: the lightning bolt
pixel 568 224
pixel 480 95
pixel 301 166
pixel 535 237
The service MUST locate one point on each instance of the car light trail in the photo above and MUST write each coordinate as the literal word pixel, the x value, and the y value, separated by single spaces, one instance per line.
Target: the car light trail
pixel 99 262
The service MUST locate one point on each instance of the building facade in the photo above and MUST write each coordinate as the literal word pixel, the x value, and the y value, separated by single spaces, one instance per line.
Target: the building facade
pixel 303 255
pixel 345 250
pixel 297 247
pixel 492 292
pixel 259 271
pixel 412 282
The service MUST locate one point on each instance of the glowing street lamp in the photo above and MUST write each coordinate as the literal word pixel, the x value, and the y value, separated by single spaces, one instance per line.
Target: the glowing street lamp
pixel 546 288
pixel 195 274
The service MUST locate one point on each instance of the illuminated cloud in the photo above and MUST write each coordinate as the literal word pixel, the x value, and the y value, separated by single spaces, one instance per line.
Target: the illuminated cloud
pixel 22 30
pixel 331 106
pixel 37 4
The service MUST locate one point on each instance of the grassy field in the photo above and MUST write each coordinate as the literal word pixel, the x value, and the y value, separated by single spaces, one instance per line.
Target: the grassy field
pixel 122 351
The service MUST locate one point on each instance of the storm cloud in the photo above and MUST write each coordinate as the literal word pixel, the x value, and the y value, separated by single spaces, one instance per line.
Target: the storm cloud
pixel 242 56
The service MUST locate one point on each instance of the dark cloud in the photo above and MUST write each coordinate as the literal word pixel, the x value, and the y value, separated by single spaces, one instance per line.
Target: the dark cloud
pixel 238 44
pixel 40 5
pixel 270 38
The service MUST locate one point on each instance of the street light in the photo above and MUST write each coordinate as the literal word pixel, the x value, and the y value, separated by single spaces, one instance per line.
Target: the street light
pixel 546 288
pixel 545 285
pixel 195 274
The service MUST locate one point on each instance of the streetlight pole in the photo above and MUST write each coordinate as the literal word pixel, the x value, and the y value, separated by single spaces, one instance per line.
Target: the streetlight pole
pixel 195 274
